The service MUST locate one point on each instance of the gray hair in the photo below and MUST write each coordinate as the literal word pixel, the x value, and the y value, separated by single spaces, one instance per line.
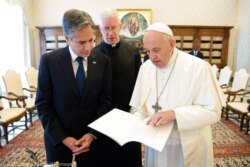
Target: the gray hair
pixel 168 37
pixel 109 14
pixel 74 20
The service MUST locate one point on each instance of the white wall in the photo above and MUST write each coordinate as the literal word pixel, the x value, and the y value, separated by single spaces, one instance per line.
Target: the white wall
pixel 177 12
pixel 243 49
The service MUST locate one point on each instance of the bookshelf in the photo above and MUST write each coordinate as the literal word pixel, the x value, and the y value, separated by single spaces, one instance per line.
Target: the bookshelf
pixel 51 38
pixel 212 41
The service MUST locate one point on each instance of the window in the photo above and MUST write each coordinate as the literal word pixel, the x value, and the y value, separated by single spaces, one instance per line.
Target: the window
pixel 12 39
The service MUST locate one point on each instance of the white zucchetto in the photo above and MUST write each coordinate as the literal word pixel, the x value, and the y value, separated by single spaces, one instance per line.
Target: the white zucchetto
pixel 160 27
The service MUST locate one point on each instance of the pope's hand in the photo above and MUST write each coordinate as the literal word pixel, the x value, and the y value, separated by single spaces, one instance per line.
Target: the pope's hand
pixel 161 118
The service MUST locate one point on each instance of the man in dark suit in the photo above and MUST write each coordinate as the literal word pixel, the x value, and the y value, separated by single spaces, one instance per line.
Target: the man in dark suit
pixel 126 61
pixel 66 108
pixel 145 58
pixel 195 52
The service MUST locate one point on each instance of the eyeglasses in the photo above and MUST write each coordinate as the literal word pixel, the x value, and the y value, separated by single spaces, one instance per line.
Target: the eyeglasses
pixel 110 29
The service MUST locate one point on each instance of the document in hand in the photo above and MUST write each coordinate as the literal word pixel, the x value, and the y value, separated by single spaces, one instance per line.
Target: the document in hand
pixel 124 127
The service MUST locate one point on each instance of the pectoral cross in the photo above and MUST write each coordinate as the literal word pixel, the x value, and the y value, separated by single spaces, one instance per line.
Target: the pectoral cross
pixel 156 107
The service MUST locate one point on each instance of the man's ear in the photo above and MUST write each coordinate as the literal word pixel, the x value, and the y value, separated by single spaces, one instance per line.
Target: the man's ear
pixel 120 26
pixel 67 39
pixel 172 43
pixel 99 28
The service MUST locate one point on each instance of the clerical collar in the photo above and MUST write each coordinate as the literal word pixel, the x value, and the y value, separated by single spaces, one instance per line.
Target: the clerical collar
pixel 172 59
pixel 111 46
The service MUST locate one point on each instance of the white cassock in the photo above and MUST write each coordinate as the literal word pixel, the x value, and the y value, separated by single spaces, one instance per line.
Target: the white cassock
pixel 193 93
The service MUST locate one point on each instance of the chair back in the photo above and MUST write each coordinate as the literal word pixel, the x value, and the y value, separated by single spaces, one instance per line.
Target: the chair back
pixel 215 70
pixel 240 80
pixel 32 76
pixel 225 76
pixel 12 82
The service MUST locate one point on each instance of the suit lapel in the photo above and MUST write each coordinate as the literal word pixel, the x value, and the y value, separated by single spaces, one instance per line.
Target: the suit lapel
pixel 67 69
pixel 90 75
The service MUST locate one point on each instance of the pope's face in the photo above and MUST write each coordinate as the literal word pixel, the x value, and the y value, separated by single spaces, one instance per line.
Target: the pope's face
pixel 159 48
pixel 82 41
pixel 110 29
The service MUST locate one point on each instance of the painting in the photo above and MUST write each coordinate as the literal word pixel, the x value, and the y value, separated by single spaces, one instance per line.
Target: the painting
pixel 134 22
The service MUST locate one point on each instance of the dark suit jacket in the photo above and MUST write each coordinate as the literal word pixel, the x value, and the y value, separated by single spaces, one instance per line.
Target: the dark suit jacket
pixel 61 109
pixel 145 58
pixel 199 54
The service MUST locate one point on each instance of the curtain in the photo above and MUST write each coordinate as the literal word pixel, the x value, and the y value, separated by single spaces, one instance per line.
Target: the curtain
pixel 14 52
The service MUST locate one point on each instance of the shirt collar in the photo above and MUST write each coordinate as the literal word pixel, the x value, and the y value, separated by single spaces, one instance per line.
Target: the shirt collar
pixel 73 55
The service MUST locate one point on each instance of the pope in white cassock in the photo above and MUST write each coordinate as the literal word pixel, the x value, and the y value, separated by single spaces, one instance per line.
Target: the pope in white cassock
pixel 178 89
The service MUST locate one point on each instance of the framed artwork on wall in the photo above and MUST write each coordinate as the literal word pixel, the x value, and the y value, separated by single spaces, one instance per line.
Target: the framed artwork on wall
pixel 134 22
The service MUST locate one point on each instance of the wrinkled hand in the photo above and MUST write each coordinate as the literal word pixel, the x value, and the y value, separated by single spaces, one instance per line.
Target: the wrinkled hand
pixel 161 118
pixel 83 144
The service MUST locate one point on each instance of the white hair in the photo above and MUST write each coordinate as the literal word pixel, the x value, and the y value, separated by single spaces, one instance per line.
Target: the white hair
pixel 109 13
